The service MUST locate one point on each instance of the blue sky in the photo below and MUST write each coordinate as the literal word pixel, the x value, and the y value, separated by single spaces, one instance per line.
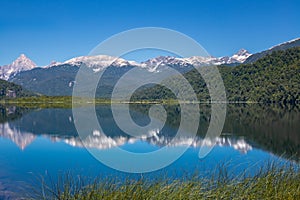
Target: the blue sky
pixel 59 30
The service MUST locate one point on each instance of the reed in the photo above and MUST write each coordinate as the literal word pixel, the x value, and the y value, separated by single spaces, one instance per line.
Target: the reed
pixel 271 182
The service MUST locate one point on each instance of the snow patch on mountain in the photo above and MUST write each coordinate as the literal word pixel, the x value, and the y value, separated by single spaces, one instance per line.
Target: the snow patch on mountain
pixel 100 62
pixel 52 64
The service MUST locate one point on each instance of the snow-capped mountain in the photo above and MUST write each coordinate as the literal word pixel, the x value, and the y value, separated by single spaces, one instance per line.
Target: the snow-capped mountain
pixel 99 62
pixel 102 61
pixel 154 63
pixel 22 63
pixel 204 61
pixel 240 56
pixel 237 58
pixel 58 77
pixel 163 60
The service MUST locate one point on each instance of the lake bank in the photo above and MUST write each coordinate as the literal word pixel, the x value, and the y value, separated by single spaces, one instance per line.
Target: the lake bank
pixel 69 102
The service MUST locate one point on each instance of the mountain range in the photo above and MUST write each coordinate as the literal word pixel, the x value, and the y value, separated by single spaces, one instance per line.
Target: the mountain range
pixel 58 78
pixel 99 62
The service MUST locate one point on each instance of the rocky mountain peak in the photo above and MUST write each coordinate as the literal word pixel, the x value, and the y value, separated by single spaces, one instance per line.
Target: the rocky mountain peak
pixel 22 63
pixel 241 55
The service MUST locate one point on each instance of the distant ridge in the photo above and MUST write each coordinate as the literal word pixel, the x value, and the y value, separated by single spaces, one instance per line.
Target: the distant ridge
pixel 283 46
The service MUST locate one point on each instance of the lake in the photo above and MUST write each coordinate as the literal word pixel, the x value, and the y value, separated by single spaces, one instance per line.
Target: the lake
pixel 37 142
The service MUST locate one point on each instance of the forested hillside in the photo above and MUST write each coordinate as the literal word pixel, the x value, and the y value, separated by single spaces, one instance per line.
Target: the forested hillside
pixel 11 90
pixel 273 78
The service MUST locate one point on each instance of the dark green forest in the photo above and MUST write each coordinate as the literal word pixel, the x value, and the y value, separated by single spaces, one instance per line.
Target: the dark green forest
pixel 12 90
pixel 273 78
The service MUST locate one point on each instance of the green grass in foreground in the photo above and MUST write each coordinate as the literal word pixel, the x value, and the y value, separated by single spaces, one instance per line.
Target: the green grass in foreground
pixel 275 183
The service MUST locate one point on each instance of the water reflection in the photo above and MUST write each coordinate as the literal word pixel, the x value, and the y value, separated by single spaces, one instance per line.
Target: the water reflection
pixel 271 128
pixel 18 131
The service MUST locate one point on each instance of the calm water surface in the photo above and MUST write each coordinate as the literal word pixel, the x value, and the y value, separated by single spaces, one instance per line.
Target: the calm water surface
pixel 44 142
